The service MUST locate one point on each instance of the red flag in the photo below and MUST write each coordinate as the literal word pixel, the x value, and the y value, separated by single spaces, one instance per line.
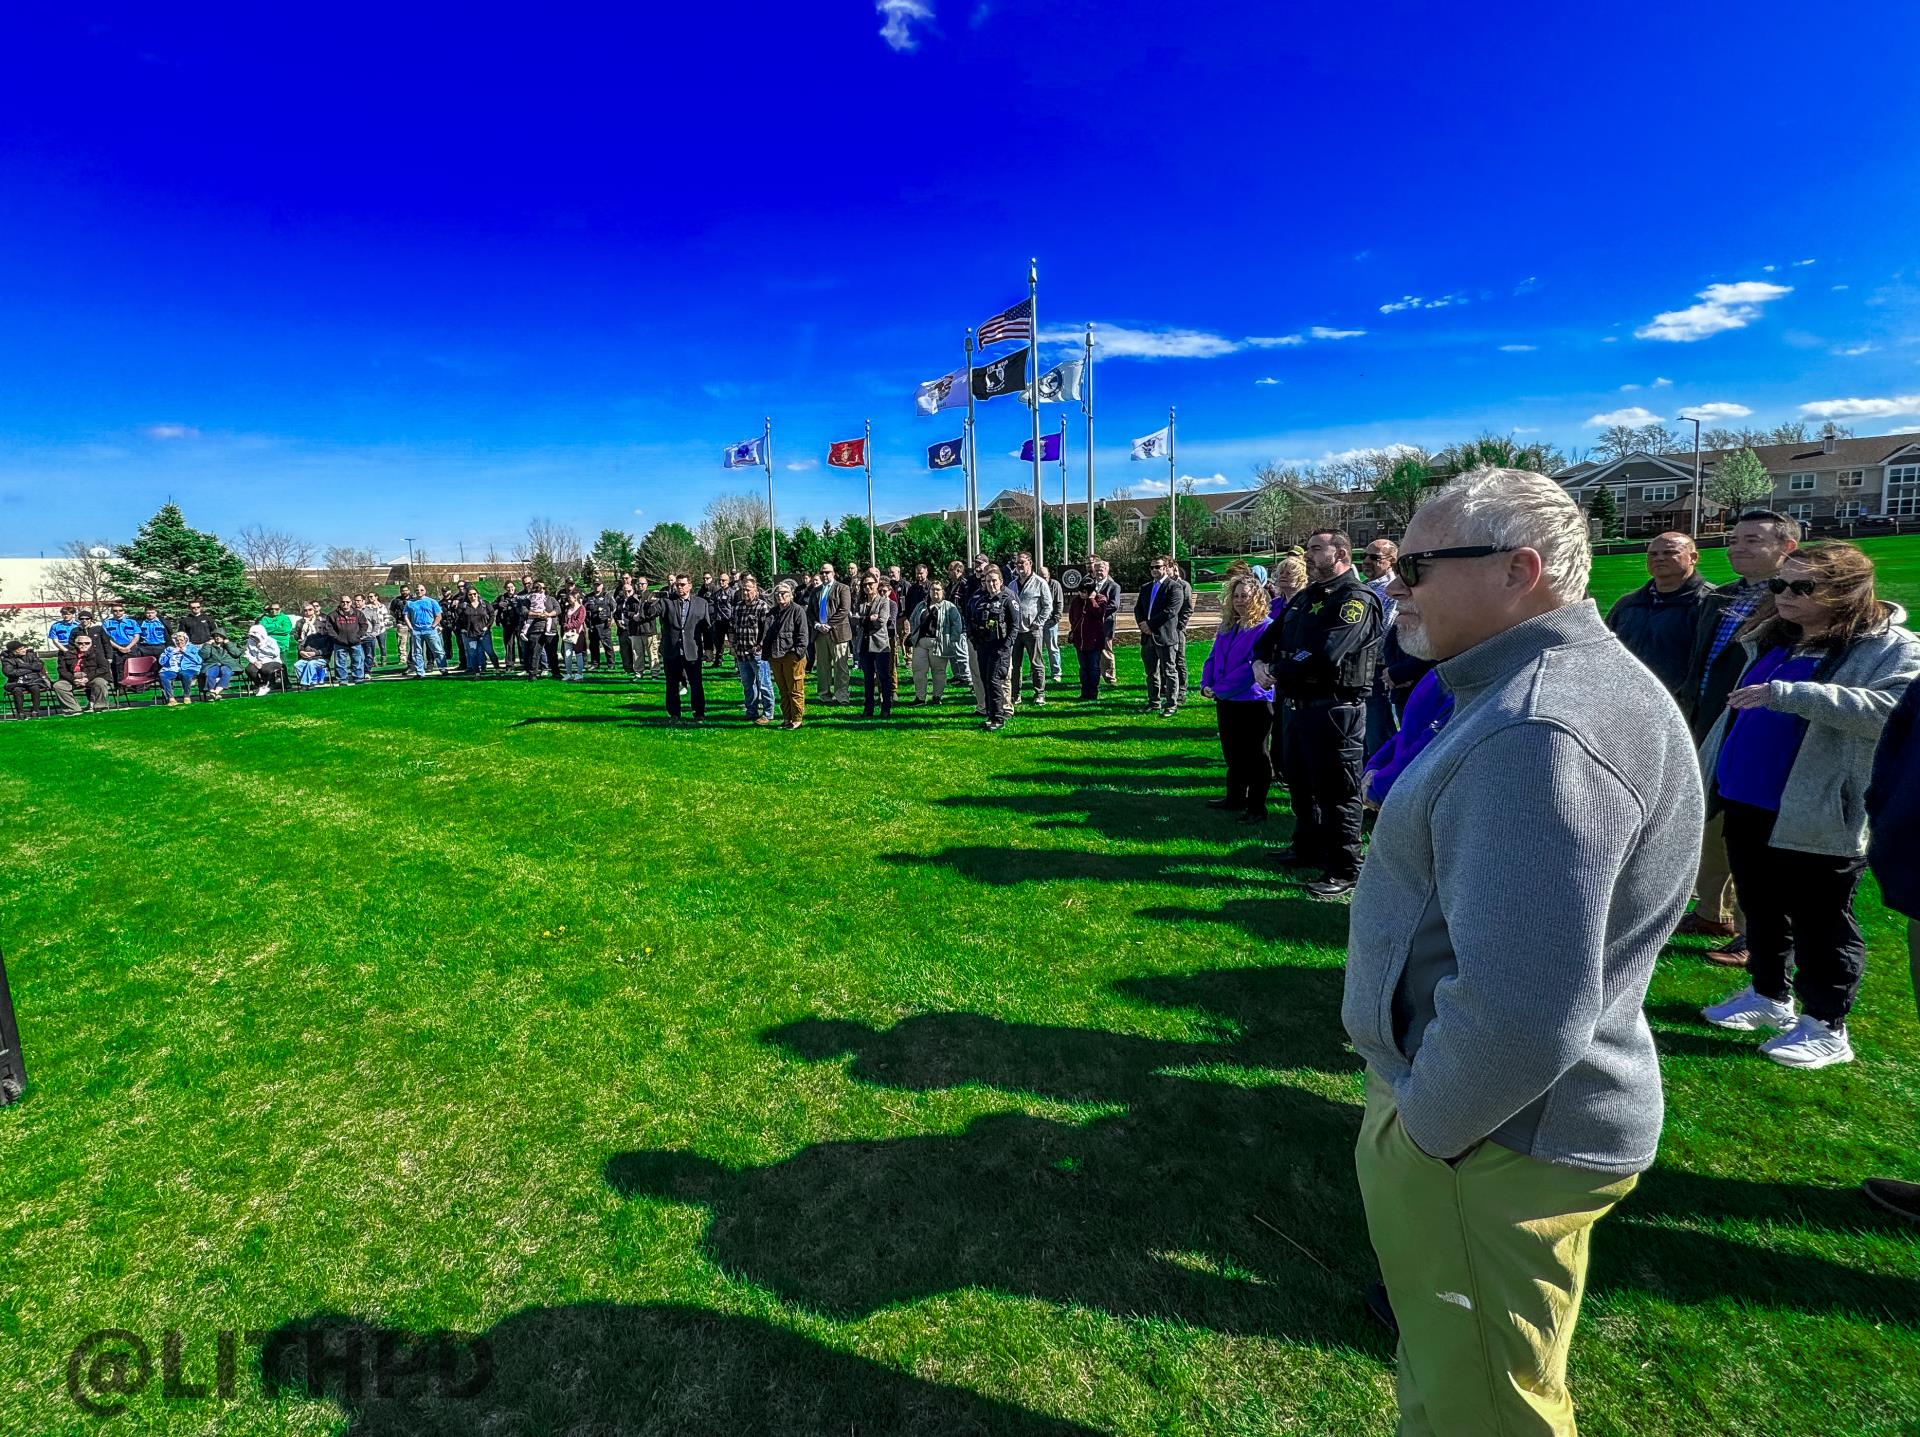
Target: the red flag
pixel 848 454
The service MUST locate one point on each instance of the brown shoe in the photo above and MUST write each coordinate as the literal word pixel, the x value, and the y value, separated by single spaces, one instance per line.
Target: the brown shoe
pixel 1732 954
pixel 1694 926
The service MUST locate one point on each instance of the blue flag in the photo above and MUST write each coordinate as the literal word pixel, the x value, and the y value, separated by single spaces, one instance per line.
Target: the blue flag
pixel 945 455
pixel 1049 448
pixel 745 455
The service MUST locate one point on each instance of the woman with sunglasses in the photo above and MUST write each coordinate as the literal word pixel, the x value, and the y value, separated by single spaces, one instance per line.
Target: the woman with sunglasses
pixel 1788 764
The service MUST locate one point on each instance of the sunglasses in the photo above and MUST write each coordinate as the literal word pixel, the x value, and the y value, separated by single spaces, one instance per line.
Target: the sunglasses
pixel 1409 566
pixel 1803 587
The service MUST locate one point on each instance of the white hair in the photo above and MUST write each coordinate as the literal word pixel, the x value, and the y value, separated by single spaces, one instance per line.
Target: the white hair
pixel 1519 509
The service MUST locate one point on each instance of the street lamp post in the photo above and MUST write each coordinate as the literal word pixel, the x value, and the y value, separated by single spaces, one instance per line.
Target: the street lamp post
pixel 1686 418
pixel 733 554
pixel 409 544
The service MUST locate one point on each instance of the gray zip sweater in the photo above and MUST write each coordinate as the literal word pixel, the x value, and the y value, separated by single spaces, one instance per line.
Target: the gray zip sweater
pixel 1525 872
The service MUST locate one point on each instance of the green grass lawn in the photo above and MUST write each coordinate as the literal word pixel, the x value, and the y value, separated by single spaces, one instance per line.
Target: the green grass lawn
pixel 874 1078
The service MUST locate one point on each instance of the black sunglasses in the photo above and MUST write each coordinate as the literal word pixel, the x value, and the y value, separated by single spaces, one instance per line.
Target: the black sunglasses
pixel 1803 587
pixel 1408 566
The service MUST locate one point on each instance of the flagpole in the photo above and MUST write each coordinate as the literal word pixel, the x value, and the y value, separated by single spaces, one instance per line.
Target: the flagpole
pixel 1033 403
pixel 970 455
pixel 1087 404
pixel 773 525
pixel 1066 549
pixel 867 449
pixel 1173 498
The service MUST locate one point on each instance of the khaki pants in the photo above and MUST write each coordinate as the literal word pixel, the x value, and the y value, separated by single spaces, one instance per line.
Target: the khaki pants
pixel 1107 675
pixel 833 661
pixel 401 636
pixel 1714 887
pixel 69 701
pixel 790 683
pixel 976 678
pixel 927 660
pixel 646 653
pixel 1485 1262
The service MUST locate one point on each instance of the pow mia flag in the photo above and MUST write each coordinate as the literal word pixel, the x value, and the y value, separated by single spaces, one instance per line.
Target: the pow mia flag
pixel 945 455
pixel 1003 376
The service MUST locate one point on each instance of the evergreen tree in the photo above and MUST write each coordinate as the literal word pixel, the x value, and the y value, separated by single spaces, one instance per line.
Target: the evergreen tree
pixel 613 552
pixel 1001 537
pixel 805 552
pixel 1604 510
pixel 588 573
pixel 1194 516
pixel 168 564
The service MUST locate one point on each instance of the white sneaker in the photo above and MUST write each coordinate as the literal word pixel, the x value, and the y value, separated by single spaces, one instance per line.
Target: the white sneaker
pixel 1811 1044
pixel 260 692
pixel 1747 1010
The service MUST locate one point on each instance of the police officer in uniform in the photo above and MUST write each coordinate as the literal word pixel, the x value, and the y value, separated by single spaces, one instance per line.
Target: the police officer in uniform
pixel 1321 656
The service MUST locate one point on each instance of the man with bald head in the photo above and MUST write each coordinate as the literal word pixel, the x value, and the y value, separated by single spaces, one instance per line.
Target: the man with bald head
pixel 1656 621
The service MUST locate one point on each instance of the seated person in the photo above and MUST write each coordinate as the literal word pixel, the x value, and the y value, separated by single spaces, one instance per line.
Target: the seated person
pixel 179 664
pixel 86 668
pixel 218 661
pixel 26 676
pixel 311 665
pixel 265 665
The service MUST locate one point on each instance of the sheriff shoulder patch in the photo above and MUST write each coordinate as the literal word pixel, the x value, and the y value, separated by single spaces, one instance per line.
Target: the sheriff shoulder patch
pixel 1352 611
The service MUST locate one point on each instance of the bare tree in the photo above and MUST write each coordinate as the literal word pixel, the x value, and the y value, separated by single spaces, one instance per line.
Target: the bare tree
pixel 557 543
pixel 276 562
pixel 1367 468
pixel 1617 442
pixel 351 570
pixel 79 576
pixel 736 517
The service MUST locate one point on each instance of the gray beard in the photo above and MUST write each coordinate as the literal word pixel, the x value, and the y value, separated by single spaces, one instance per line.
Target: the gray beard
pixel 1413 638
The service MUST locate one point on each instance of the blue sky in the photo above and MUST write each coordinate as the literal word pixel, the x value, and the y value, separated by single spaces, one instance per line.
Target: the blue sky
pixel 369 275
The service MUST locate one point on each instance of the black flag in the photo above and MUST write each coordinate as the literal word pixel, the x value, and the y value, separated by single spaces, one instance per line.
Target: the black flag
pixel 1003 376
pixel 945 455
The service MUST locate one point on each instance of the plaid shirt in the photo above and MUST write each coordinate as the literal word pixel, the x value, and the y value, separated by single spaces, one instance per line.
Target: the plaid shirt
pixel 750 617
pixel 1739 609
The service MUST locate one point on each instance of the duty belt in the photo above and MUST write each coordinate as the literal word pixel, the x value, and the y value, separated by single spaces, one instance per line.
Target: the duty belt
pixel 1325 702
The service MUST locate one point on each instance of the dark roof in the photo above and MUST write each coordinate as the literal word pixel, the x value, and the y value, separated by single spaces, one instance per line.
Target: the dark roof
pixel 1778 458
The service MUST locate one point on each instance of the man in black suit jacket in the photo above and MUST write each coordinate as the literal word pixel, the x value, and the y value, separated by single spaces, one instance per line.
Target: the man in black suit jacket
pixel 684 630
pixel 1157 610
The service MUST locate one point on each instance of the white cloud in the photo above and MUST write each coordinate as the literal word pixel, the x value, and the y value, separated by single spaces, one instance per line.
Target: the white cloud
pixel 1116 341
pixel 642 511
pixel 1801 263
pixel 1275 341
pixel 1889 408
pixel 1320 331
pixel 1518 348
pixel 901 16
pixel 1414 301
pixel 1633 415
pixel 1628 388
pixel 1527 285
pixel 1609 339
pixel 1851 350
pixel 1718 410
pixel 170 431
pixel 1768 268
pixel 1838 286
pixel 1146 489
pixel 796 466
pixel 1724 307
pixel 1347 456
pixel 1265 381
pixel 1522 429
pixel 1662 383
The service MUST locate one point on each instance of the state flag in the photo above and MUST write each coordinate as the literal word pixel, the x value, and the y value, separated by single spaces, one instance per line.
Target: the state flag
pixel 1154 446
pixel 746 455
pixel 1003 376
pixel 945 455
pixel 1060 384
pixel 847 454
pixel 949 391
pixel 1049 448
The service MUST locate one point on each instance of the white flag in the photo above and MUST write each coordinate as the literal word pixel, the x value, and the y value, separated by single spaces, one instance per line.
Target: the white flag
pixel 949 391
pixel 1154 446
pixel 1061 384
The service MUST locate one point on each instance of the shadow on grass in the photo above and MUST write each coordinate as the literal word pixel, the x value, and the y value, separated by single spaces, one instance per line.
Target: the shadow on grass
pixel 659 1371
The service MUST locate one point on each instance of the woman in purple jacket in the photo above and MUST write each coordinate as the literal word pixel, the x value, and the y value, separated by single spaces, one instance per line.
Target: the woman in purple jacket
pixel 1243 707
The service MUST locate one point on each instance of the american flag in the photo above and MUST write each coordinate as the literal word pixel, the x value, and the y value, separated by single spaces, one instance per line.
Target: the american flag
pixel 1015 323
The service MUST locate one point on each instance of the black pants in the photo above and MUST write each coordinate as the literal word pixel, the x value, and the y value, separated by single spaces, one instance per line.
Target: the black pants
pixel 627 651
pixel 1244 726
pixel 681 668
pixel 1799 916
pixel 1320 760
pixel 510 636
pixel 1089 671
pixel 599 645
pixel 996 664
pixel 876 670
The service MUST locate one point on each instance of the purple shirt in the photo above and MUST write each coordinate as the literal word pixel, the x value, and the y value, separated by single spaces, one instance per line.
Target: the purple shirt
pixel 1428 708
pixel 1760 745
pixel 1228 673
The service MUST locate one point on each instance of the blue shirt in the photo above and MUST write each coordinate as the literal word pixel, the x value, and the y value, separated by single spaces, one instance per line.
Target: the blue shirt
pixel 423 613
pixel 121 630
pixel 1738 610
pixel 823 602
pixel 60 631
pixel 153 631
pixel 1760 745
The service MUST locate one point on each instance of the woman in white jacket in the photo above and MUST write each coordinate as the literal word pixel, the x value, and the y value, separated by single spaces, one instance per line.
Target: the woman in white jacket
pixel 1788 763
pixel 265 667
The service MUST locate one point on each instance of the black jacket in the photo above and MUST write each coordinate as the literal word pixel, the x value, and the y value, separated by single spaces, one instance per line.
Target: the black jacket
pixel 1158 614
pixel 1703 692
pixel 24 673
pixel 98 665
pixel 600 608
pixel 788 633
pixel 1658 629
pixel 992 618
pixel 687 639
pixel 1893 807
pixel 1327 643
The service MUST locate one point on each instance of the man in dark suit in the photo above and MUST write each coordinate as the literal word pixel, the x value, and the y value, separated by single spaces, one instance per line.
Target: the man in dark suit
pixel 684 630
pixel 1157 610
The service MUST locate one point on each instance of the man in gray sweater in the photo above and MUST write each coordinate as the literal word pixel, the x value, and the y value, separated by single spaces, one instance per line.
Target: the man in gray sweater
pixel 1525 872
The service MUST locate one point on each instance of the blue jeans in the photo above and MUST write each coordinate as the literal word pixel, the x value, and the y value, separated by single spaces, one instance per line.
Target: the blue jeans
pixel 575 662
pixel 474 657
pixel 423 640
pixel 756 683
pixel 349 663
pixel 216 677
pixel 167 681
